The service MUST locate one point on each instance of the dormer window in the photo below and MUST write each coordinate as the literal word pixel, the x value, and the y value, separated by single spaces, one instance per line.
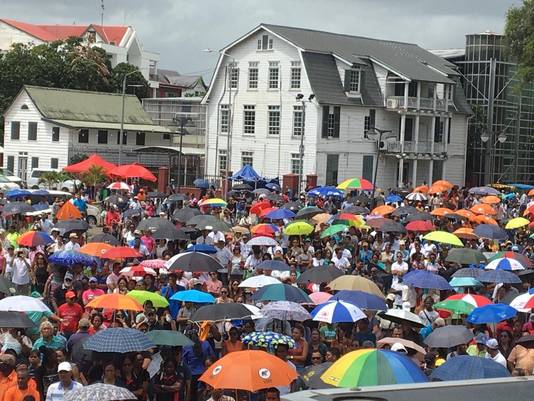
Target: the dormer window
pixel 352 80
pixel 24 107
pixel 265 43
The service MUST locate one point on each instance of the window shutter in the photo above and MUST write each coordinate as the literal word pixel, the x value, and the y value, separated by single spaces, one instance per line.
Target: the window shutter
pixel 346 84
pixel 337 118
pixel 324 133
pixel 437 136
pixel 372 115
pixel 449 131
pixel 361 85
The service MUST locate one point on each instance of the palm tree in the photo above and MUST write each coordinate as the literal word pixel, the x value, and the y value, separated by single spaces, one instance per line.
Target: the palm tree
pixel 49 178
pixel 94 176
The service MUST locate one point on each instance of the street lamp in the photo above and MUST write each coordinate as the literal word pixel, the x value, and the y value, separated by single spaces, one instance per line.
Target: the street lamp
pixel 182 121
pixel 501 138
pixel 122 110
pixel 300 98
pixel 377 135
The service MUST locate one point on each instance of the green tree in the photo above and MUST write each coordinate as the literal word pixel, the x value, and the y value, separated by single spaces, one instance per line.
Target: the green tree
pixel 135 78
pixel 51 178
pixel 519 34
pixel 94 176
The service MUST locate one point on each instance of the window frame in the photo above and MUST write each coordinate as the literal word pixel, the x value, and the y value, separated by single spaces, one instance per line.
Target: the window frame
pixel 249 113
pixel 298 116
pixel 224 118
pixel 295 158
pixel 124 138
pixel 245 155
pixel 273 77
pixel 56 134
pixel 354 86
pixel 273 120
pixel 233 73
pixel 83 133
pixel 15 133
pixel 295 83
pixel 223 155
pixel 253 70
pixel 32 131
pixel 10 163
pixel 56 163
pixel 102 137
pixel 138 136
pixel 34 162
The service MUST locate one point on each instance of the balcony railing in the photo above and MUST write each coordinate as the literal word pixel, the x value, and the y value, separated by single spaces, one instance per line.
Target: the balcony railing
pixel 414 147
pixel 425 103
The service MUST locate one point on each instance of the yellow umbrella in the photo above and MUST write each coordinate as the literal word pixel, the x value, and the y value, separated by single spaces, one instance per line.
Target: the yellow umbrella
pixel 298 228
pixel 355 283
pixel 444 238
pixel 516 223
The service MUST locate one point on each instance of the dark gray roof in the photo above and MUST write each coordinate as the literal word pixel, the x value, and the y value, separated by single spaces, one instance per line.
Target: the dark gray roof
pixel 172 77
pixel 327 87
pixel 460 102
pixel 407 59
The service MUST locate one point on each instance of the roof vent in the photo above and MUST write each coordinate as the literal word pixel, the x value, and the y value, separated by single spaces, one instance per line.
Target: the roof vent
pixel 24 107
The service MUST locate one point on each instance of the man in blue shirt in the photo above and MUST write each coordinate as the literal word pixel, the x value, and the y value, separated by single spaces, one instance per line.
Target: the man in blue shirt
pixel 80 204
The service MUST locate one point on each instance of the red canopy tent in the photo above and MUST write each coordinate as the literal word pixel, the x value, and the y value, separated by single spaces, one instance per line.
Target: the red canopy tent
pixel 85 165
pixel 133 171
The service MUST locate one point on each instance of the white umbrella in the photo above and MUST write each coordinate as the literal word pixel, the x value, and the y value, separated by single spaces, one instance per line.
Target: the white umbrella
pixel 337 312
pixel 119 185
pixel 22 303
pixel 256 312
pixel 285 310
pixel 262 241
pixel 417 196
pixel 258 281
pixel 401 315
pixel 520 302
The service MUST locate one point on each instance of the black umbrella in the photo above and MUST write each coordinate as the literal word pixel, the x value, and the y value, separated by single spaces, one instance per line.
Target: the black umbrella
pixel 361 198
pixel 105 237
pixel 454 216
pixel 177 198
pixel 392 227
pixel 465 256
pixel 154 224
pixel 16 320
pixel 474 272
pixel 312 376
pixel 418 216
pixel 208 222
pixel 308 212
pixel 130 213
pixel 230 311
pixel 293 206
pixel 182 215
pixel 404 210
pixel 356 210
pixel 526 341
pixel 275 197
pixel 273 265
pixel 242 187
pixel 194 262
pixel 17 208
pixel 261 191
pixel 66 226
pixel 491 231
pixel 170 233
pixel 318 275
pixel 448 337
pixel 156 195
pixel 201 219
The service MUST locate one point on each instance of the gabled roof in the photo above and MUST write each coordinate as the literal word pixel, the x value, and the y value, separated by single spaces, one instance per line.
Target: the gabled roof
pixel 172 77
pixel 48 33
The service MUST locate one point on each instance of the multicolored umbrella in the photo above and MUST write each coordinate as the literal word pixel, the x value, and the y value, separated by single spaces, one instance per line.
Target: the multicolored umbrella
pixel 119 185
pixel 119 340
pixel 417 197
pixel 462 304
pixel 100 392
pixel 34 238
pixel 268 339
pixel 525 261
pixel 524 302
pixel 264 229
pixel 213 202
pixel 356 183
pixel 372 367
pixel 493 313
pixel 508 264
pixel 443 237
pixel 337 312
pixel 285 310
pixel 281 292
pixel 298 228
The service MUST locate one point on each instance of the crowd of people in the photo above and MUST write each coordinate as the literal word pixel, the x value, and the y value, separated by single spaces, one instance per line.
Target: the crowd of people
pixel 48 360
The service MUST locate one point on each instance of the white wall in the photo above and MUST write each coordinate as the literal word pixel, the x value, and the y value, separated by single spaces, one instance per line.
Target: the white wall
pixel 10 35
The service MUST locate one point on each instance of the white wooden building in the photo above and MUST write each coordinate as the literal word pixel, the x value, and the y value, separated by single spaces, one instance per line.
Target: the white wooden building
pixel 357 83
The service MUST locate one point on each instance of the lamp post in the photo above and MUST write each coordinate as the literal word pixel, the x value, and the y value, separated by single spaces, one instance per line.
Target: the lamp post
pixel 182 121
pixel 376 135
pixel 122 110
pixel 485 137
pixel 300 98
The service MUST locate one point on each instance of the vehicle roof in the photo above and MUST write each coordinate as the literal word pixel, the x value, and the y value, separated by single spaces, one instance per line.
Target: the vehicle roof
pixel 51 192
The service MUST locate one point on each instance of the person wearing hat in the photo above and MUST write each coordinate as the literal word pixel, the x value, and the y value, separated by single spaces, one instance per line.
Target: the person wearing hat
pixel 56 391
pixel 492 346
pixel 69 313
pixel 58 297
pixel 479 348
pixel 73 244
pixel 92 292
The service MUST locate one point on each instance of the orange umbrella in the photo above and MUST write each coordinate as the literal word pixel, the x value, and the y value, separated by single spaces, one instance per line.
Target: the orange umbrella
pixel 465 233
pixel 421 188
pixel 382 210
pixel 529 210
pixel 490 199
pixel 121 252
pixel 482 219
pixel 115 301
pixel 68 212
pixel 465 213
pixel 441 211
pixel 248 370
pixel 531 192
pixel 436 189
pixel 95 248
pixel 483 208
pixel 443 183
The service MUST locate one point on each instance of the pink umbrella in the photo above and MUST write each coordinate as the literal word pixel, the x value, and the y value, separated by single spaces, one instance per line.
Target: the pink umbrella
pixel 154 263
pixel 320 297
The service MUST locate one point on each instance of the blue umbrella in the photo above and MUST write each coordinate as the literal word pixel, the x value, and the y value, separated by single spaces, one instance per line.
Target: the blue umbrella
pixel 119 340
pixel 69 258
pixel 325 192
pixel 393 198
pixel 361 299
pixel 17 193
pixel 465 367
pixel 490 231
pixel 426 279
pixel 273 187
pixel 280 214
pixel 457 282
pixel 492 313
pixel 522 187
pixel 203 248
pixel 201 183
pixel 273 265
pixel 499 276
pixel 199 297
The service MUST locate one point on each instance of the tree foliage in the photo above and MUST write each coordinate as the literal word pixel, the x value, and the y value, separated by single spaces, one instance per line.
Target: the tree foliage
pixel 94 176
pixel 51 178
pixel 140 85
pixel 519 34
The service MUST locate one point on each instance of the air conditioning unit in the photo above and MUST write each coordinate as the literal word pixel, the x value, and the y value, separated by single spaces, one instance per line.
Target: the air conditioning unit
pixel 392 103
pixel 383 145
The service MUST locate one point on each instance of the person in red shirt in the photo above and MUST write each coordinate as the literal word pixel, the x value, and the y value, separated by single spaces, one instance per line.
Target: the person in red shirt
pixel 69 313
pixel 92 292
pixel 22 389
pixel 112 217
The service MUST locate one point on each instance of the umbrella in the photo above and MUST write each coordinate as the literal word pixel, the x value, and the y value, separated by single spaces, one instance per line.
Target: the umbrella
pixel 499 276
pixel 195 296
pixel 116 199
pixel 273 186
pixel 444 238
pixel 465 233
pixel 285 310
pixel 481 219
pixel 393 198
pixel 17 208
pixel 308 212
pixel 337 312
pixel 213 202
pixel 14 320
pixel 100 392
pixel 171 233
pixel 320 297
pixel 273 264
pixel 465 367
pixel 419 216
pixel 268 339
pixel 382 210
pixel 133 171
pixel 249 370
pixel 441 212
pixel 119 185
pixel 230 311
pixel 169 338
pixel 153 263
pixel 193 262
pixel 262 241
pixel 263 229
pixel 121 252
pixel 362 300
pixel 201 183
pixel 319 275
pixel 448 337
pixel 484 209
pixel 356 183
pixel 420 226
pixel 523 303
pixel 261 191
pixel 22 303
pixel 157 300
pixel 465 256
pixel 406 343
pixel 525 341
pixel 402 316
pixel 525 261
pixel 96 249
pixel 258 281
pixel 259 207
pixel 333 230
pixel 203 248
pixel 242 187
pixel 462 304
pixel 484 191
pixel 372 367
pixel 281 292
pixel 129 213
pixel 185 214
pixel 468 272
pixel 156 195
pixel 508 264
pixel 138 271
pixel 491 200
pixel 490 231
pixel 459 282
pixel 298 228
pixel 356 283
pixel 426 279
pixel 115 302
pixel 516 223
pixel 118 340
pixel 493 313
pixel 17 193
pixel 105 237
pixel 404 211
pixel 293 206
pixel 154 224
pixel 312 376
pixel 417 197
pixel 356 210
pixel 392 227
pixel 66 226
pixel 34 238
pixel 70 258
pixel 325 192
pixel 6 286
pixel 280 214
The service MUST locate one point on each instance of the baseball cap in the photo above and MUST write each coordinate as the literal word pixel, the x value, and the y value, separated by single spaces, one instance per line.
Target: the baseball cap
pixel 70 294
pixel 64 367
pixel 93 280
pixel 398 347
pixel 481 338
pixel 492 343
pixel 68 276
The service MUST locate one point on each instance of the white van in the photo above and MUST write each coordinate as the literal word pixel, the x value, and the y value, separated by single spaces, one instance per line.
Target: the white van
pixel 35 176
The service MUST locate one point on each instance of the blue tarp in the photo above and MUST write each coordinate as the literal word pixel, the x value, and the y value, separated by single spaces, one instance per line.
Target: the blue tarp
pixel 247 173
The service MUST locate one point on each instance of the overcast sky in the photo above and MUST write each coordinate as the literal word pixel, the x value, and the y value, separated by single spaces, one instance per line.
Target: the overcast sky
pixel 179 29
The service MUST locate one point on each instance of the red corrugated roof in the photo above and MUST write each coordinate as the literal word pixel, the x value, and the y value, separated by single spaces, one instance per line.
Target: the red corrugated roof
pixel 48 33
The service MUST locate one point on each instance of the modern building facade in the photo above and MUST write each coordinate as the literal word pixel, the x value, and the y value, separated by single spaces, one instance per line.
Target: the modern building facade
pixel 279 87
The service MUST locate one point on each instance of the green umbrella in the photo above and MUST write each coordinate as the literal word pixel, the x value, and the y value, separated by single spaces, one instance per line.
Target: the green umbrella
pixel 142 296
pixel 456 306
pixel 332 230
pixel 169 338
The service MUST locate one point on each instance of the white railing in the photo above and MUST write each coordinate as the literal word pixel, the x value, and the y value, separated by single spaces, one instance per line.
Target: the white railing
pixel 397 102
pixel 414 147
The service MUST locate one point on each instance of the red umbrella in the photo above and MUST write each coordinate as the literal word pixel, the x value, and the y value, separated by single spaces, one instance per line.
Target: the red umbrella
pixel 264 212
pixel 121 252
pixel 420 225
pixel 93 160
pixel 133 171
pixel 258 207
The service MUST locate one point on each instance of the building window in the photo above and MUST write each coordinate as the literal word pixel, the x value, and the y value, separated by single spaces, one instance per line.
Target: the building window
pixel 166 137
pixel 55 134
pixel 83 136
pixel 274 74
pixel 223 160
pixel 297 120
pixel 296 165
pixel 225 117
pixel 35 162
pixel 352 80
pixel 140 139
pixel 295 75
pixel 15 130
pixel 369 121
pixel 367 167
pixel 274 120
pixel 102 137
pixel 247 158
pixel 249 119
pixel 54 163
pixel 253 75
pixel 124 137
pixel 11 163
pixel 438 130
pixel 32 131
pixel 234 75
pixel 265 43
pixel 331 119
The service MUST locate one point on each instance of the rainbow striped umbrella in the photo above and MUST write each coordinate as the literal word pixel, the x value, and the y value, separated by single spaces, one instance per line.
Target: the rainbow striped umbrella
pixel 356 183
pixel 213 202
pixel 372 367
